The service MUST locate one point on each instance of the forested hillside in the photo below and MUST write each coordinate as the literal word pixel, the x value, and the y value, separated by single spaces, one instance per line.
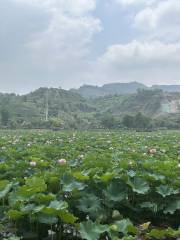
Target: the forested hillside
pixel 60 109
pixel 150 102
pixel 43 107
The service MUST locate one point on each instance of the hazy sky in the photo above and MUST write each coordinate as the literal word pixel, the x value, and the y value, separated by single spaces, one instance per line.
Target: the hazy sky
pixel 67 43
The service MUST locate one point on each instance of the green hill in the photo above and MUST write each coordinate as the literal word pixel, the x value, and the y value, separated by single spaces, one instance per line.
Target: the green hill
pixel 44 105
pixel 149 102
pixel 58 108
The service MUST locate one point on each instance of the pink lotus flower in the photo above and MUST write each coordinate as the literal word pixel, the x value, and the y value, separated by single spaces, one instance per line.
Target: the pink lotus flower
pixel 152 151
pixel 33 164
pixel 62 162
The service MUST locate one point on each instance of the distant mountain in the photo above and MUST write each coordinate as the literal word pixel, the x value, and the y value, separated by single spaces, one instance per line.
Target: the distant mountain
pixel 167 88
pixel 122 88
pixel 89 91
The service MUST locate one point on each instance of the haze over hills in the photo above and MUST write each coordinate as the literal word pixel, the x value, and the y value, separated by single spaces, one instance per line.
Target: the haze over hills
pixel 167 88
pixel 89 91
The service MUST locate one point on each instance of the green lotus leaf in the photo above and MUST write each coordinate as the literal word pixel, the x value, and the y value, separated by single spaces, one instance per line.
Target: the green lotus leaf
pixel 3 184
pixel 90 204
pixel 5 191
pixel 15 200
pixel 91 230
pixel 47 219
pixel 38 209
pixel 37 184
pixel 58 205
pixel 157 234
pixel 165 190
pixel 55 207
pixel 33 185
pixel 116 191
pixel 80 176
pixel 27 208
pixel 14 214
pixel 172 207
pixel 42 198
pixel 107 177
pixel 67 217
pixel 139 185
pixel 70 184
pixel 125 226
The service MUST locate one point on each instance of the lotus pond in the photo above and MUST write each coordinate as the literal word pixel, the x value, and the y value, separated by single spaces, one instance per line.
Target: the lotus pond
pixel 89 185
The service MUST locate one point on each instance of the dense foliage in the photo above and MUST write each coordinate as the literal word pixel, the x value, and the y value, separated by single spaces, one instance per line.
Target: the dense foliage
pixel 60 109
pixel 89 185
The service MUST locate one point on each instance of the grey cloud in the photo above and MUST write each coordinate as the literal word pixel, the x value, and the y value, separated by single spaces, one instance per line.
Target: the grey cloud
pixel 45 44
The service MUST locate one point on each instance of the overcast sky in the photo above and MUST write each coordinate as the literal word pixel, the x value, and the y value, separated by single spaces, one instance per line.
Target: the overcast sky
pixel 67 43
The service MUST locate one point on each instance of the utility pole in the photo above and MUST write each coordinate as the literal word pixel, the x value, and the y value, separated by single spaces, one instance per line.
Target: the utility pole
pixel 47 106
pixel 59 114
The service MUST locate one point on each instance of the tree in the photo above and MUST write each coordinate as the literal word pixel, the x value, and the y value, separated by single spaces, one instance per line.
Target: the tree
pixel 139 121
pixel 128 121
pixel 4 117
pixel 108 121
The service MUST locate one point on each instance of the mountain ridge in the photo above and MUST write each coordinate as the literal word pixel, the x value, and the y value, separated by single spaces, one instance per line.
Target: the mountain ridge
pixel 90 91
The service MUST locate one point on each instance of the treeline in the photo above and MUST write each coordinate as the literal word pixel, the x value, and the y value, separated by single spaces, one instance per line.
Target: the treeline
pixel 138 121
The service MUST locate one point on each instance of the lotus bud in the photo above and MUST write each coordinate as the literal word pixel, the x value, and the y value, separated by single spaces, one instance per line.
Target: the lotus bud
pixel 62 162
pixel 33 164
pixel 152 151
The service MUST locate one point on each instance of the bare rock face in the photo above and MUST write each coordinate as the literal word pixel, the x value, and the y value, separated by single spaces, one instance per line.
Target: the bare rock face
pixel 171 106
